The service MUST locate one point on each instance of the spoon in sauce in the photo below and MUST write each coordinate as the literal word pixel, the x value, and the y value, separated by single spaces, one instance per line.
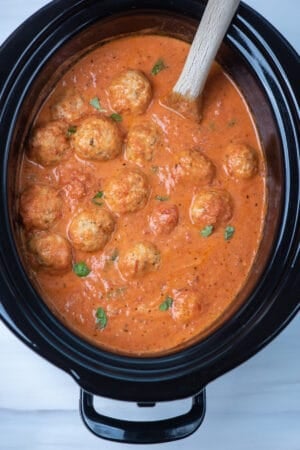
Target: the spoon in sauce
pixel 185 97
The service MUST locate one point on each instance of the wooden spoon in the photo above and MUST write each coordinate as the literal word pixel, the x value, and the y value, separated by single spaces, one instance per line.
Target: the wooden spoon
pixel 185 98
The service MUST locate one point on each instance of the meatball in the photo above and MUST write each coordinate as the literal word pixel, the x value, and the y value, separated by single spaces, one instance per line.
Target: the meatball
pixel 186 305
pixel 195 166
pixel 51 251
pixel 97 138
pixel 40 206
pixel 69 107
pixel 91 229
pixel 211 207
pixel 139 260
pixel 130 91
pixel 127 192
pixel 164 219
pixel 241 161
pixel 49 144
pixel 142 141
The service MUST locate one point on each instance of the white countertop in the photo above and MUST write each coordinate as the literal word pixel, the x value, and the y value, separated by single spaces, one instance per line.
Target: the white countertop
pixel 254 407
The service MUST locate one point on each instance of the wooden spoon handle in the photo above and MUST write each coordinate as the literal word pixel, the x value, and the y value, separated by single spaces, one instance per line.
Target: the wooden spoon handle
pixel 211 31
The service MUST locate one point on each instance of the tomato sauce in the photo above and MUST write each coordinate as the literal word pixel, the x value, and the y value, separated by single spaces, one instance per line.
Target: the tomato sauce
pixel 138 312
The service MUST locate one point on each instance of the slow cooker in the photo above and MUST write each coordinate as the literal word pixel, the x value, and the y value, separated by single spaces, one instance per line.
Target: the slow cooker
pixel 264 66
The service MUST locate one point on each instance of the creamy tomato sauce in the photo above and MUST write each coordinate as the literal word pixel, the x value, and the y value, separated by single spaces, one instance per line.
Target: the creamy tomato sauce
pixel 161 274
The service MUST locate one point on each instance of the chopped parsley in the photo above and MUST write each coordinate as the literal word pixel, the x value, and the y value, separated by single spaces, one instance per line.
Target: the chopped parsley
pixel 228 232
pixel 71 130
pixel 81 269
pixel 162 198
pixel 207 231
pixel 166 304
pixel 158 67
pixel 95 102
pixel 154 169
pixel 97 197
pixel 101 318
pixel 116 117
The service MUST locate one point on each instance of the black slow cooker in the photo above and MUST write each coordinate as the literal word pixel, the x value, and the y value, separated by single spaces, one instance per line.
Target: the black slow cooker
pixel 265 68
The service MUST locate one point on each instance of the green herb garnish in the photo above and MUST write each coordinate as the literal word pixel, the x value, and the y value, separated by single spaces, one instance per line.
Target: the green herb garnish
pixel 97 197
pixel 101 318
pixel 158 67
pixel 207 231
pixel 154 169
pixel 116 117
pixel 166 304
pixel 228 232
pixel 71 130
pixel 81 269
pixel 162 198
pixel 95 102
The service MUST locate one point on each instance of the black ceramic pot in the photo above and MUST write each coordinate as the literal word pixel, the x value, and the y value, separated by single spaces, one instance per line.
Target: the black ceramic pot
pixel 265 68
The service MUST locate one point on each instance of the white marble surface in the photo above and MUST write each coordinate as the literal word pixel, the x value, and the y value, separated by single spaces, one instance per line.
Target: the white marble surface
pixel 254 407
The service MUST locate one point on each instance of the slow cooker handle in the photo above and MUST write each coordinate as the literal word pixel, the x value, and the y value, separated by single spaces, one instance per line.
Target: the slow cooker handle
pixel 142 432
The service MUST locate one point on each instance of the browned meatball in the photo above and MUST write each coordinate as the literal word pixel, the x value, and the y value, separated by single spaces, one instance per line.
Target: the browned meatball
pixel 69 107
pixel 91 229
pixel 211 207
pixel 50 250
pixel 40 206
pixel 127 192
pixel 142 258
pixel 195 166
pixel 97 138
pixel 163 219
pixel 130 91
pixel 142 141
pixel 186 305
pixel 241 161
pixel 49 144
